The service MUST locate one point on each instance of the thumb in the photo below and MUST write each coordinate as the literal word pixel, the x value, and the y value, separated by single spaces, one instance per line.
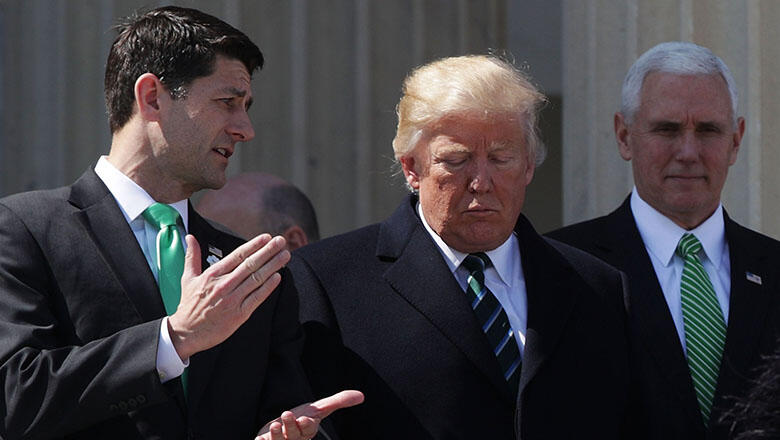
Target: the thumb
pixel 192 264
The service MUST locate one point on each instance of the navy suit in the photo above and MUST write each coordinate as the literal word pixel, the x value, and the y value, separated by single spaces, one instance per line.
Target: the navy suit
pixel 664 397
pixel 80 314
pixel 383 313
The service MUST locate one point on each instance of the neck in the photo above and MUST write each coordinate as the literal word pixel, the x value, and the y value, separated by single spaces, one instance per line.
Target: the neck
pixel 131 154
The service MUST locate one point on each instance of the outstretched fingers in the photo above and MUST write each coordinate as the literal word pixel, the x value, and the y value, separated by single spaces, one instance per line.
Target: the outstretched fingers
pixel 344 399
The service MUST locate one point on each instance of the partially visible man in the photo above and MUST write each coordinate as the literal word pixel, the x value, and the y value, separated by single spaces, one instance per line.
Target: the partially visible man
pixel 454 316
pixel 703 304
pixel 254 203
pixel 107 329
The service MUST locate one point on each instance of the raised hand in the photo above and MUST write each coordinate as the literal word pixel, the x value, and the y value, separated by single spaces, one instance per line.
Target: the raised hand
pixel 215 302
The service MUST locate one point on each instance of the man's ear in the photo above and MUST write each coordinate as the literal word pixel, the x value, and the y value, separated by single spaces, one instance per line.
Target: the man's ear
pixel 295 237
pixel 410 173
pixel 621 136
pixel 737 140
pixel 148 93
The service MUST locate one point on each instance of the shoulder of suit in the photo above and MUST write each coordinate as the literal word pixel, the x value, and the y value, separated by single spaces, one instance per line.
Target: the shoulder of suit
pixel 579 258
pixel 749 237
pixel 580 233
pixel 38 205
pixel 356 243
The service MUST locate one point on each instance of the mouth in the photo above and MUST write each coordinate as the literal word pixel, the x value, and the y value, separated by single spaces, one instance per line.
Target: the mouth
pixel 226 153
pixel 480 211
pixel 686 178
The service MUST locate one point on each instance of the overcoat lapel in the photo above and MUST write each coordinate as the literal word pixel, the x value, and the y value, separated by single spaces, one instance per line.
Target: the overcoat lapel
pixel 648 312
pixel 417 272
pixel 551 292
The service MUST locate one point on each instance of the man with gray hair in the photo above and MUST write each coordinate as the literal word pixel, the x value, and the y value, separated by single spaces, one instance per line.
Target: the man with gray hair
pixel 703 301
pixel 453 316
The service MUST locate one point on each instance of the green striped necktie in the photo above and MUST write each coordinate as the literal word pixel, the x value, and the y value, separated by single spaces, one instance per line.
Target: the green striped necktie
pixel 705 329
pixel 170 258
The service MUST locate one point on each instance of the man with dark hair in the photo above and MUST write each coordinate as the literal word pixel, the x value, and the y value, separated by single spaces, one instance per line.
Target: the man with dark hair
pixel 253 203
pixel 108 327
pixel 703 303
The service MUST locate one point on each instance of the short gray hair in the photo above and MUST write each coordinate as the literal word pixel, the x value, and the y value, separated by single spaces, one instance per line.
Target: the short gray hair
pixel 678 58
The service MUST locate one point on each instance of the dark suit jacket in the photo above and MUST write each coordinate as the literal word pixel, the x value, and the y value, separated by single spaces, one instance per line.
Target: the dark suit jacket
pixel 382 313
pixel 665 398
pixel 80 314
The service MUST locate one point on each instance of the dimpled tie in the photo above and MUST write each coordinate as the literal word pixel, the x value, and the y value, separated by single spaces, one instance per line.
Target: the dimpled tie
pixel 170 259
pixel 170 253
pixel 705 329
pixel 492 317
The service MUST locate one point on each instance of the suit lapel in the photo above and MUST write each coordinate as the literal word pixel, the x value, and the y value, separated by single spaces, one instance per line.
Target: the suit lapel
pixel 418 271
pixel 748 306
pixel 104 223
pixel 648 312
pixel 551 298
pixel 202 364
pixel 106 226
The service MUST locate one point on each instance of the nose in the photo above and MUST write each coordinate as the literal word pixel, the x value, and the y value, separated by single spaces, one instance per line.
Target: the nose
pixel 240 128
pixel 688 148
pixel 480 177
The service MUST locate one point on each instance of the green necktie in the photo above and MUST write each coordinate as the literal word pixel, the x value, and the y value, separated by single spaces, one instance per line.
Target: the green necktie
pixel 170 253
pixel 705 329
pixel 170 258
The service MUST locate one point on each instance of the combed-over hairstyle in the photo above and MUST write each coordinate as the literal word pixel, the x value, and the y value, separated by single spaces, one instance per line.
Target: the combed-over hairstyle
pixel 482 85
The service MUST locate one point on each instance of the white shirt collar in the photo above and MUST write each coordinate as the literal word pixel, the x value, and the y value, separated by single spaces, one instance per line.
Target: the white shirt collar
pixel 501 257
pixel 661 235
pixel 132 199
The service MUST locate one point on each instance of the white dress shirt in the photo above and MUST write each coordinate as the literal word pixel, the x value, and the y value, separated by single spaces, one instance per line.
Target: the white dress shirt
pixel 661 236
pixel 504 278
pixel 133 201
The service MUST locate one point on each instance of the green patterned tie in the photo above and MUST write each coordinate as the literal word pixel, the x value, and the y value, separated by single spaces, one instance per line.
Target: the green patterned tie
pixel 705 329
pixel 170 258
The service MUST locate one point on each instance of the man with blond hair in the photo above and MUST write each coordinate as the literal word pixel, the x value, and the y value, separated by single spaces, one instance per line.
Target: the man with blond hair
pixel 453 315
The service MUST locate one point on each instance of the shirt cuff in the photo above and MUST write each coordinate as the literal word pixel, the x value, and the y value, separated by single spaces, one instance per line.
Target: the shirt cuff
pixel 169 365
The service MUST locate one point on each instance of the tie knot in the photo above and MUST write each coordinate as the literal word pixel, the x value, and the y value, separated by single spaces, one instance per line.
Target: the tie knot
pixel 161 215
pixel 689 245
pixel 476 262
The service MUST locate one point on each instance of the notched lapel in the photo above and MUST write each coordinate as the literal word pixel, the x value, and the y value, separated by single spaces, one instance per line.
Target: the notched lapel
pixel 748 307
pixel 202 363
pixel 551 298
pixel 419 271
pixel 649 316
pixel 104 223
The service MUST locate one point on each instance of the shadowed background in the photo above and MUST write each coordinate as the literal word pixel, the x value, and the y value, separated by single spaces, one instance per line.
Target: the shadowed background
pixel 325 101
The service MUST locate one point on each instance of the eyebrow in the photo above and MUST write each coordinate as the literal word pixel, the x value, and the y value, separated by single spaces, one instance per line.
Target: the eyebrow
pixel 239 93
